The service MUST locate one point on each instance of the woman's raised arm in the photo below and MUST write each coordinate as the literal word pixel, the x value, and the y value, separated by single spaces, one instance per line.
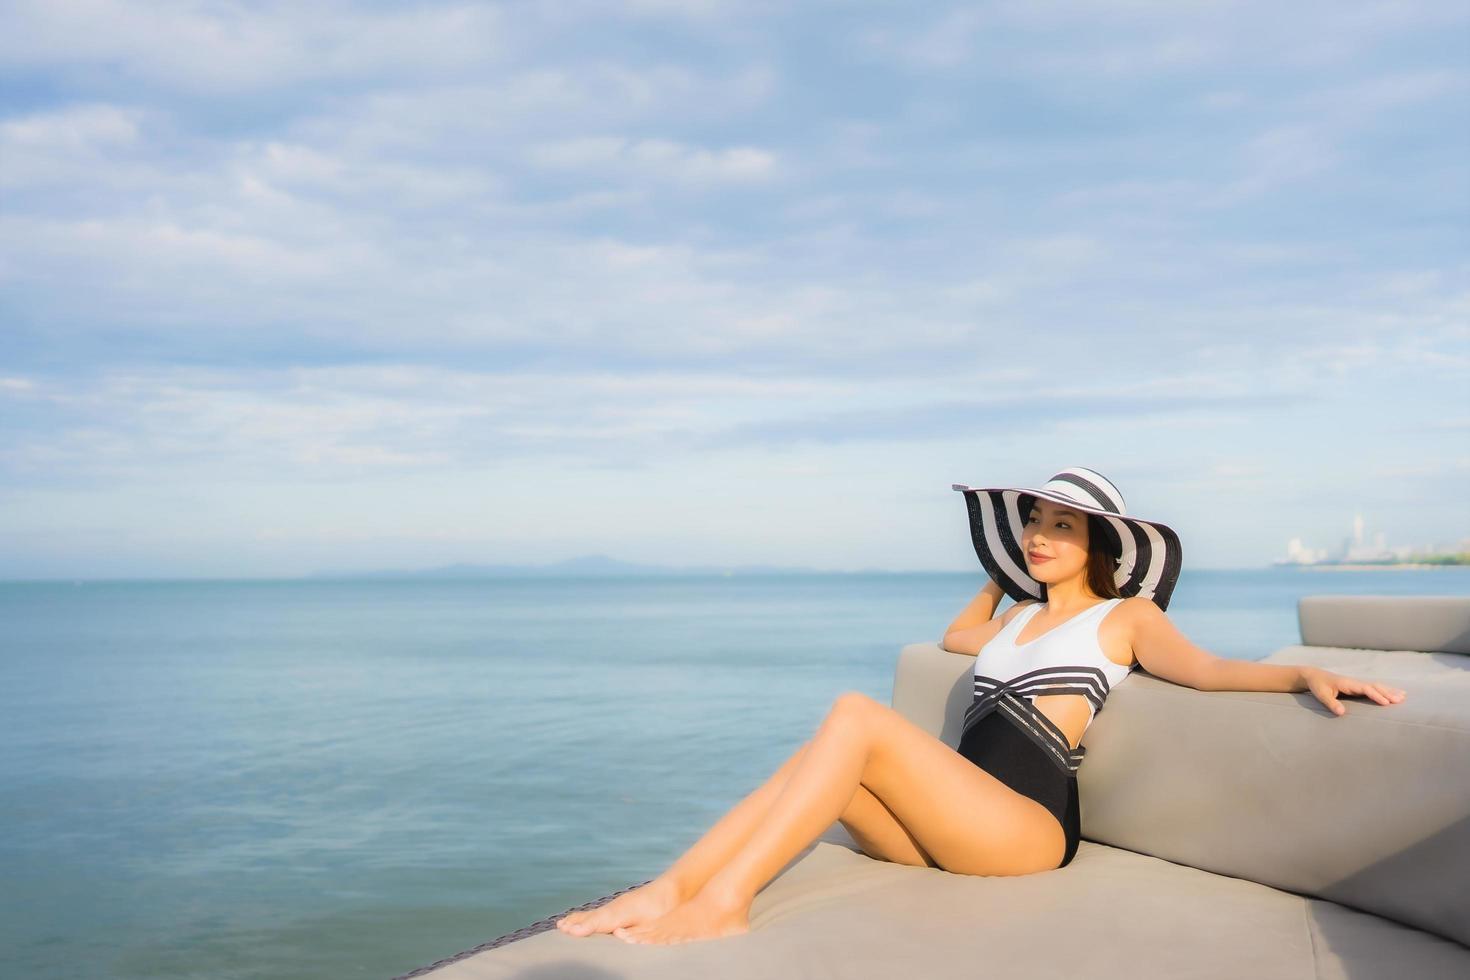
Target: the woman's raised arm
pixel 974 627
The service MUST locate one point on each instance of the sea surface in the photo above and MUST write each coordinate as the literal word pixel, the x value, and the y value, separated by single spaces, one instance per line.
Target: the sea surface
pixel 307 778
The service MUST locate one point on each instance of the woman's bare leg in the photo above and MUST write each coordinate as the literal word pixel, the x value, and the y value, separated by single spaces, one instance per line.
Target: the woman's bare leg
pixel 821 786
pixel 686 876
pixel 872 825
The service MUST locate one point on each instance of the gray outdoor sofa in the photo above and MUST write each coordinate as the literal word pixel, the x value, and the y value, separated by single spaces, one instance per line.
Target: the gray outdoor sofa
pixel 1225 834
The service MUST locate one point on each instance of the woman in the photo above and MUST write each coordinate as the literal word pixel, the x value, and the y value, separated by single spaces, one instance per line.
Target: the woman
pixel 1091 585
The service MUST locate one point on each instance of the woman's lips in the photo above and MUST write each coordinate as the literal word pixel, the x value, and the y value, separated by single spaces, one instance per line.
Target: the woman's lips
pixel 1037 558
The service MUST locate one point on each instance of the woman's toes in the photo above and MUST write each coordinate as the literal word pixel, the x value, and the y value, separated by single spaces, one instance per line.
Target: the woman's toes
pixel 644 904
pixel 576 925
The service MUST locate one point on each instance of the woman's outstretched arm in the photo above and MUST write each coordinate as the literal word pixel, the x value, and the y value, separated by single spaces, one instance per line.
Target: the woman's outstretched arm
pixel 1165 652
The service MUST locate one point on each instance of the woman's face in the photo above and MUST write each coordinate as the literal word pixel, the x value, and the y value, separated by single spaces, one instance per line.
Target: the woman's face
pixel 1054 541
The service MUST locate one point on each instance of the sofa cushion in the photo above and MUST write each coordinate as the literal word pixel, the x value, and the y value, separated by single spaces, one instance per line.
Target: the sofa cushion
pixel 1111 913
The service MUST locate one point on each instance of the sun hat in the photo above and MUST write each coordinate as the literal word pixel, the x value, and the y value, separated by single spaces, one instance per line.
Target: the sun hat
pixel 1150 555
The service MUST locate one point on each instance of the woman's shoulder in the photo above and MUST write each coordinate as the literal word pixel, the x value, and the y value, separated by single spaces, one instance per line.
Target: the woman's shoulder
pixel 1137 605
pixel 1131 616
pixel 1133 610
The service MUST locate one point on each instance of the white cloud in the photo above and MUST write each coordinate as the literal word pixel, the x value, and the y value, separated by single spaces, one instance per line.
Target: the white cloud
pixel 656 159
pixel 1275 158
pixel 467 118
pixel 1353 102
pixel 69 145
pixel 341 423
pixel 1450 467
pixel 74 127
pixel 1075 44
pixel 1171 53
pixel 131 256
pixel 684 8
pixel 946 43
pixel 235 47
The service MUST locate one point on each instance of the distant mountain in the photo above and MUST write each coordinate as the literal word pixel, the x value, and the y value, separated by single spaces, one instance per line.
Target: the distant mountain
pixel 590 566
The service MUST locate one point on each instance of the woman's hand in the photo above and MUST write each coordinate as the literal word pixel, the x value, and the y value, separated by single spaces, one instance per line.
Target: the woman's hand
pixel 1327 686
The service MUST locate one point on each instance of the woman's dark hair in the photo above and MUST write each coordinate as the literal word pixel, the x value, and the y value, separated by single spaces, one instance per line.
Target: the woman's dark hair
pixel 1103 552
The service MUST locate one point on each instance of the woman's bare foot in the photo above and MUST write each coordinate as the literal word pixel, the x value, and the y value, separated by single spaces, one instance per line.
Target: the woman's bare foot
pixel 705 916
pixel 643 904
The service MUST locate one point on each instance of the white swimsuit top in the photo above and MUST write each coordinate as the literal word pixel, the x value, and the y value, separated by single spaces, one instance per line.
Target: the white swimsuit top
pixel 1066 659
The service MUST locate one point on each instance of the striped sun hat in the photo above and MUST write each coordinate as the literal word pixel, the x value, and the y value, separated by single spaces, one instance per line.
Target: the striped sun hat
pixel 1150 553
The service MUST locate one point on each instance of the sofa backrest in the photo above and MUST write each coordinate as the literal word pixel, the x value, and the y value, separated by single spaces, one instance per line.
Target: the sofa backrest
pixel 1370 809
pixel 1430 624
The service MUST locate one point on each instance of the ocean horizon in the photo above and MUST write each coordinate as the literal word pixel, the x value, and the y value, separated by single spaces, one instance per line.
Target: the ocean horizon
pixel 631 570
pixel 306 777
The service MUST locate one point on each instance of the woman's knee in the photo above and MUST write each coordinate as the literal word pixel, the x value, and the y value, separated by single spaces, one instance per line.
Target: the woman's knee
pixel 852 710
pixel 852 703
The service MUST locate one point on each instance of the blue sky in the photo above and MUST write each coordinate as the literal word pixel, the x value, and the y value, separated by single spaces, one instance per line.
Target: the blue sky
pixel 360 285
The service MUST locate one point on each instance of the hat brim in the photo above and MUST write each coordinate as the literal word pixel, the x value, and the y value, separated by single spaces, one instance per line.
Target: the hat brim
pixel 1151 555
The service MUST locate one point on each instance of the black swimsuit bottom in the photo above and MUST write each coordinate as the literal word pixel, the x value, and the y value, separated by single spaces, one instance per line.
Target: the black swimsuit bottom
pixel 995 744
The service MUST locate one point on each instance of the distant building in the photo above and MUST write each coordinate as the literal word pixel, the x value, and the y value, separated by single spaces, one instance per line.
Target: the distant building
pixel 1354 549
pixel 1299 554
pixel 1359 550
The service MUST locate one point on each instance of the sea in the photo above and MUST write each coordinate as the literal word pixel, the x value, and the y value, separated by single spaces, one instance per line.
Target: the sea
pixel 356 778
